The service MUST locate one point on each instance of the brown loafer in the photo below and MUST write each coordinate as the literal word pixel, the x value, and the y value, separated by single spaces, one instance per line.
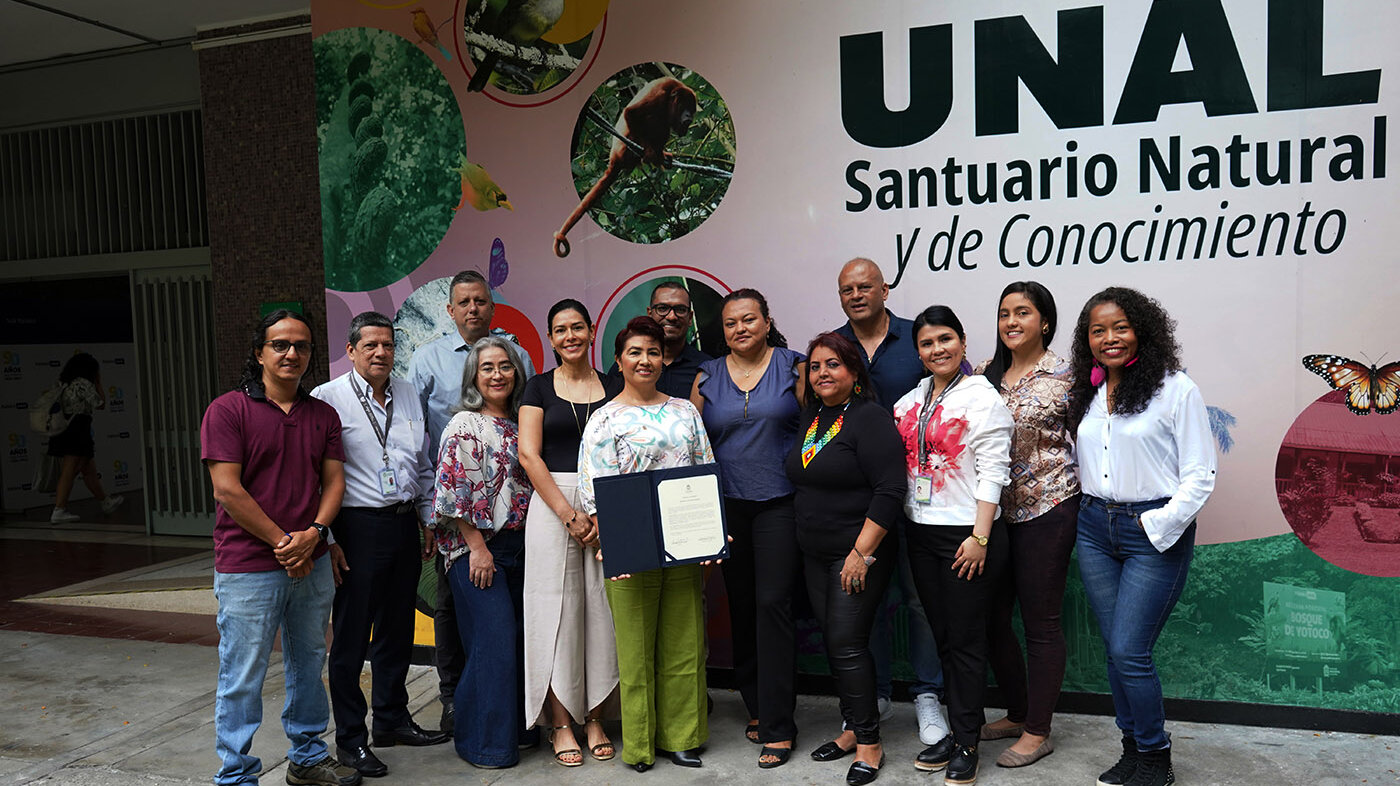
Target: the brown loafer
pixel 989 733
pixel 1010 758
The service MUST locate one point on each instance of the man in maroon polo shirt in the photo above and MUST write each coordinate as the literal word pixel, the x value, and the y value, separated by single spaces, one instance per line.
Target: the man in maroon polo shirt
pixel 277 467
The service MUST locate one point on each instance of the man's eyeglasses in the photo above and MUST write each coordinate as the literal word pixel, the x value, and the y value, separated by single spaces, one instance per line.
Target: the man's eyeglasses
pixel 281 347
pixel 665 309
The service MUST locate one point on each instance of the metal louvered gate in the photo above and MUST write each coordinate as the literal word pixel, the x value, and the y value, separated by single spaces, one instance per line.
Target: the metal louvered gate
pixel 174 315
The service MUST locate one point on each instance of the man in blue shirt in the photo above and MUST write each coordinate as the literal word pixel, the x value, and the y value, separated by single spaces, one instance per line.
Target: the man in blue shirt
pixel 887 346
pixel 435 370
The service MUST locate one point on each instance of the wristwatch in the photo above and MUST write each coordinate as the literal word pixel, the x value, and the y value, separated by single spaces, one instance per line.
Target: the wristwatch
pixel 981 539
pixel 321 529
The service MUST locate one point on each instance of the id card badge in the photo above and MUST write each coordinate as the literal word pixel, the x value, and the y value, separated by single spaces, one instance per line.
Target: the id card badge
pixel 923 488
pixel 388 485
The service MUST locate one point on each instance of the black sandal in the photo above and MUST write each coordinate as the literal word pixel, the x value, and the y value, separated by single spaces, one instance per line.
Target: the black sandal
pixel 781 754
pixel 751 733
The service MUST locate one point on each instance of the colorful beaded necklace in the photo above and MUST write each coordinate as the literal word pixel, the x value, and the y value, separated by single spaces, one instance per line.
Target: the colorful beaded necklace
pixel 811 449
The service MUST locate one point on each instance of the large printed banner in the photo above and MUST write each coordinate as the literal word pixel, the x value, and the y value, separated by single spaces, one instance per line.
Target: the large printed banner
pixel 1228 157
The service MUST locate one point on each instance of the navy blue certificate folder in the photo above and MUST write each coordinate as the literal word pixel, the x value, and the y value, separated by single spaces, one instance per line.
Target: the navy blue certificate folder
pixel 630 528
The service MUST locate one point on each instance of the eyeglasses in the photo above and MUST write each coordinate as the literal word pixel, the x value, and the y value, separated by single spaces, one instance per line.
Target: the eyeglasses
pixel 281 347
pixel 665 309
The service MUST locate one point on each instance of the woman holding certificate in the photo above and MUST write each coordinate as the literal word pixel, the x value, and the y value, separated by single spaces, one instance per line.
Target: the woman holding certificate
pixel 848 471
pixel 957 437
pixel 658 615
pixel 749 400
pixel 570 658
pixel 479 505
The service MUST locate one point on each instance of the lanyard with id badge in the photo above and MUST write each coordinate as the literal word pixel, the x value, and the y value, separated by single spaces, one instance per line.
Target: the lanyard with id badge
pixel 923 481
pixel 388 484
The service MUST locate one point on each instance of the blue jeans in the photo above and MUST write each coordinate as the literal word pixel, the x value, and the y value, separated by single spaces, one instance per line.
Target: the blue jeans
pixel 490 697
pixel 1132 589
pixel 251 608
pixel 923 649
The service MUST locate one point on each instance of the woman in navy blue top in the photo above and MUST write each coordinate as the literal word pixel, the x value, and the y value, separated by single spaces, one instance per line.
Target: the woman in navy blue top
pixel 749 400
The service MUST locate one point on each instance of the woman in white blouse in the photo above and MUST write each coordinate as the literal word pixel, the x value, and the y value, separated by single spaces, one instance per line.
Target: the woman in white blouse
pixel 1146 467
pixel 957 441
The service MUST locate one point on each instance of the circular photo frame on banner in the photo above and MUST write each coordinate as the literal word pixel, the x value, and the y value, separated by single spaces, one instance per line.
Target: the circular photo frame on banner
pixel 513 52
pixel 653 154
pixel 1337 477
pixel 634 297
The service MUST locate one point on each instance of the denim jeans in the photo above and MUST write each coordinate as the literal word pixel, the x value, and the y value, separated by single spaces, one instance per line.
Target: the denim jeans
pixel 490 697
pixel 251 608
pixel 1132 589
pixel 923 648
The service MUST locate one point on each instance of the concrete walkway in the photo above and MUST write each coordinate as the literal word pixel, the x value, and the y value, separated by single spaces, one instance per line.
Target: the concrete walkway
pixel 82 711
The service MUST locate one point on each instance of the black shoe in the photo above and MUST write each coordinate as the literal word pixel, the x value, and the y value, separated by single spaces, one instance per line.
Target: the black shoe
pixel 685 758
pixel 962 768
pixel 830 751
pixel 449 715
pixel 935 757
pixel 1154 769
pixel 781 754
pixel 861 773
pixel 409 734
pixel 1127 765
pixel 641 766
pixel 361 759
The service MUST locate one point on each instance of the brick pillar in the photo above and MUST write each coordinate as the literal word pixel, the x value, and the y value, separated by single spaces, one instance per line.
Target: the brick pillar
pixel 262 187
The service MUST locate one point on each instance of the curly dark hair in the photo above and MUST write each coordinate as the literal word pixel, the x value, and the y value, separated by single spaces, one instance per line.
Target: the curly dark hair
pixel 849 355
pixel 252 369
pixel 1158 354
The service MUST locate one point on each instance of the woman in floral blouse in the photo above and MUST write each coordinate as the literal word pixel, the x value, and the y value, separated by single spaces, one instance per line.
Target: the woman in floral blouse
pixel 659 615
pixel 480 500
pixel 1039 509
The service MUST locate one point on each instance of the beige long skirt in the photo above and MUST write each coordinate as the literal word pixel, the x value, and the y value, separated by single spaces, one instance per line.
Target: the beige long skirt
pixel 569 645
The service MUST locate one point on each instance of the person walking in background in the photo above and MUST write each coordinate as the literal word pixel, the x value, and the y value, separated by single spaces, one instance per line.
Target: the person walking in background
pixel 81 395
pixel 1039 511
pixel 1147 467
pixel 750 401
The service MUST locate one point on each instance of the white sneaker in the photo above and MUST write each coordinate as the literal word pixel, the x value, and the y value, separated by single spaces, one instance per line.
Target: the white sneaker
pixel 62 516
pixel 932 725
pixel 111 502
pixel 886 709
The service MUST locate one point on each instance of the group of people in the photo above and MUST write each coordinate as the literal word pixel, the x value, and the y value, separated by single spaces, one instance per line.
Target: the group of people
pixel 878 460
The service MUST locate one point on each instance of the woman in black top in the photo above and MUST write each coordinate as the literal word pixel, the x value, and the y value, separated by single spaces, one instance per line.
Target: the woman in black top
pixel 848 470
pixel 570 657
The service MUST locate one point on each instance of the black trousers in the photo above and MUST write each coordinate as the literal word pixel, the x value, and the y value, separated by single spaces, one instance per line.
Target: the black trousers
pixel 377 593
pixel 957 610
pixel 448 655
pixel 846 621
pixel 762 576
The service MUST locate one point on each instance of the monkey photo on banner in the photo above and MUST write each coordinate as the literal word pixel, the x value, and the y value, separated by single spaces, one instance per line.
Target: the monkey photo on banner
pixel 653 153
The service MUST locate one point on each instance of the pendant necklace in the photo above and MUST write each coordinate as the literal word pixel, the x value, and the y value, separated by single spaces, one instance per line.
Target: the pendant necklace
pixel 810 449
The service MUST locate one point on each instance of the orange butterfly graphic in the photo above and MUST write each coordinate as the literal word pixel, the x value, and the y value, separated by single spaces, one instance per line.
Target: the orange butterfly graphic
pixel 1368 388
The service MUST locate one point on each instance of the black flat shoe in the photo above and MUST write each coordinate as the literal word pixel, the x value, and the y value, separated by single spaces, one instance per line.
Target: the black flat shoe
pixel 861 773
pixel 751 733
pixel 686 758
pixel 641 766
pixel 409 734
pixel 830 751
pixel 361 759
pixel 782 755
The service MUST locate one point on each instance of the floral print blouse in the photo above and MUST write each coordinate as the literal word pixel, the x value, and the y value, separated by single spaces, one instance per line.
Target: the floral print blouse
pixel 479 480
pixel 80 397
pixel 623 438
pixel 1043 469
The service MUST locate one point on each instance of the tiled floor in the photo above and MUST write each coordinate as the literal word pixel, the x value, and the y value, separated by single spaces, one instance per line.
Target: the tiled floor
pixel 34 559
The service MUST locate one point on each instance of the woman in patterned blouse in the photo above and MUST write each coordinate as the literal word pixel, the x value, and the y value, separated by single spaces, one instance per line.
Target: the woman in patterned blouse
pixel 480 500
pixel 1039 509
pixel 659 615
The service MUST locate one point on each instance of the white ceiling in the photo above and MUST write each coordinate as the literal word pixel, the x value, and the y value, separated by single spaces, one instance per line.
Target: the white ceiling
pixel 37 30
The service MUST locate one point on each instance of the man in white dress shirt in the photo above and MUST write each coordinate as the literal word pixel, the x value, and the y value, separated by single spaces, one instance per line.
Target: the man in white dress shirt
pixel 388 494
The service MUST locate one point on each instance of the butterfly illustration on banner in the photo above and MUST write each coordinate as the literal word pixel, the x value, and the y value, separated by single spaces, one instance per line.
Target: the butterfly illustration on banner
pixel 500 268
pixel 1368 388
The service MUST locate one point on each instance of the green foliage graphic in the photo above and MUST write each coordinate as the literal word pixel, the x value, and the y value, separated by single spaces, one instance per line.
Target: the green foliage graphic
pixel 389 132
